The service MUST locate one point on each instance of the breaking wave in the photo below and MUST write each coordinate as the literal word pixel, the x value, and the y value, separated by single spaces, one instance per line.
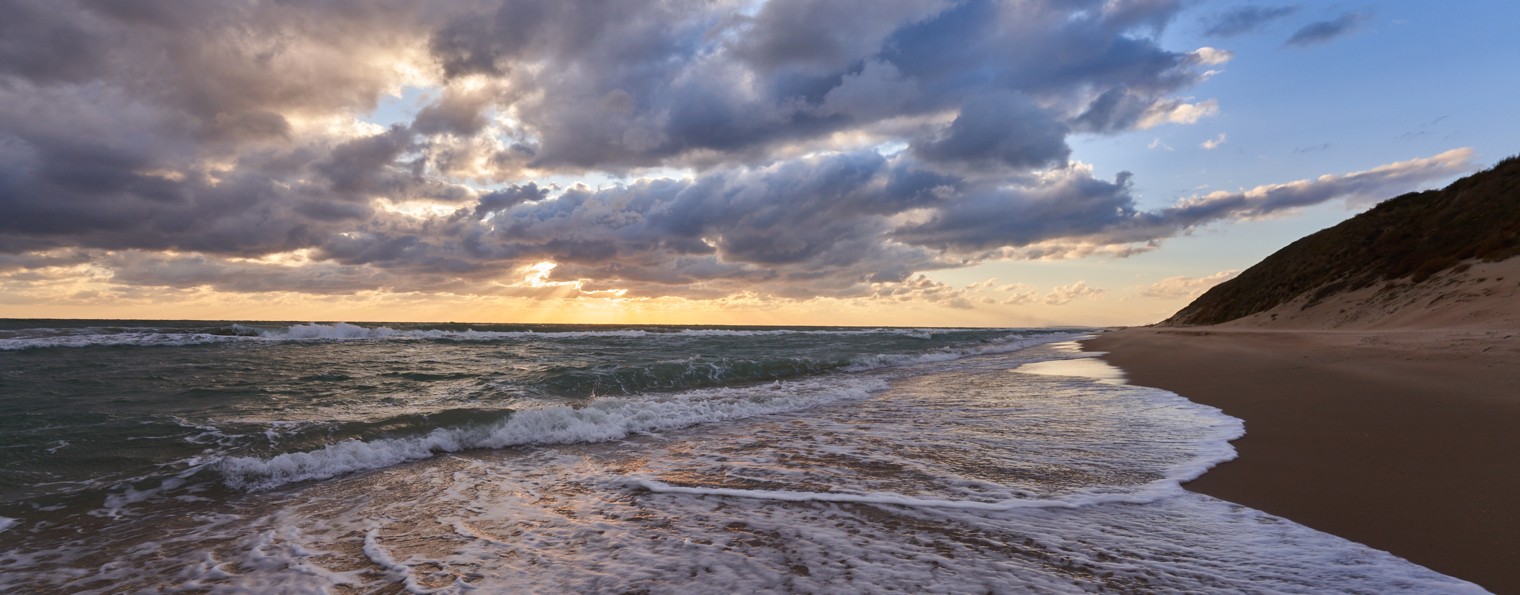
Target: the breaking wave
pixel 601 420
pixel 343 331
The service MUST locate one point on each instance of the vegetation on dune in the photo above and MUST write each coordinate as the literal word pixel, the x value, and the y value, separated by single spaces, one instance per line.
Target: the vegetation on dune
pixel 1412 236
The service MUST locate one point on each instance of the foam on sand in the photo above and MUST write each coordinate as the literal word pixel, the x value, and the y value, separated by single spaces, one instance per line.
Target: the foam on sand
pixel 959 477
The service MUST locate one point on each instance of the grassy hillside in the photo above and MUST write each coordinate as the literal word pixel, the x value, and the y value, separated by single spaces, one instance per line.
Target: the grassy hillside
pixel 1415 236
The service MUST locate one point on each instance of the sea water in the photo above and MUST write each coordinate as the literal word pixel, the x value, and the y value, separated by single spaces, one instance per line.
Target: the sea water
pixel 341 458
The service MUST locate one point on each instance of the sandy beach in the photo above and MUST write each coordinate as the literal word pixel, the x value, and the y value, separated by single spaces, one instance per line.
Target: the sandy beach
pixel 1404 440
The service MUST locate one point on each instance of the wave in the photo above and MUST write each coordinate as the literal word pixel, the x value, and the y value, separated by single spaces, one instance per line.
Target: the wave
pixel 660 487
pixel 1209 450
pixel 132 339
pixel 1152 492
pixel 1004 344
pixel 601 420
pixel 342 331
pixel 345 331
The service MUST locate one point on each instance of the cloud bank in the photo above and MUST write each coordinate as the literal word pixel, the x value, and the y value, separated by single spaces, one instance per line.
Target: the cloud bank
pixel 702 149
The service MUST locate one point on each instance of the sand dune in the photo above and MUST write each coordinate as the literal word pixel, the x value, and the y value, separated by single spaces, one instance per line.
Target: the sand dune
pixel 1480 295
pixel 1389 415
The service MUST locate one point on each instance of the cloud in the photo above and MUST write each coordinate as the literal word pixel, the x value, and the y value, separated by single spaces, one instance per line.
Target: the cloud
pixel 11 263
pixel 923 290
pixel 1173 288
pixel 1244 19
pixel 1066 294
pixel 1071 214
pixel 1177 113
pixel 1003 130
pixel 1157 144
pixel 1208 56
pixel 844 225
pixel 1377 183
pixel 237 127
pixel 1324 31
pixel 654 147
pixel 1424 129
pixel 1213 143
pixel 1018 294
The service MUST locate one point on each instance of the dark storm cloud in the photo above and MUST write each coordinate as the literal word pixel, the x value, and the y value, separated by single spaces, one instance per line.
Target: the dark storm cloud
pixel 816 214
pixel 826 36
pixel 1078 209
pixel 1323 31
pixel 355 166
pixel 457 113
pixel 40 42
pixel 833 225
pixel 1006 130
pixel 27 262
pixel 178 134
pixel 1115 110
pixel 176 144
pixel 508 197
pixel 1076 205
pixel 638 84
pixel 1244 19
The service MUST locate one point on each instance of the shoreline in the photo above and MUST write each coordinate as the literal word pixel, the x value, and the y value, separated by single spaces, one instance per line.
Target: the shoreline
pixel 1403 440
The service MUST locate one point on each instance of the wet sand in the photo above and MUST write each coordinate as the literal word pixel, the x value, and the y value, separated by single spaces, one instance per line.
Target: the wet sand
pixel 1403 440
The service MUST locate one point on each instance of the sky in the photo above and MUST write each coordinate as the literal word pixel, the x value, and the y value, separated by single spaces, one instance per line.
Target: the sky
pixel 832 162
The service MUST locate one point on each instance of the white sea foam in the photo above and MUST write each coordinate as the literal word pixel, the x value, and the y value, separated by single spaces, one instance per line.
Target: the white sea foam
pixel 343 331
pixel 1144 496
pixel 6 523
pixel 1205 443
pixel 133 339
pixel 118 502
pixel 1006 344
pixel 958 478
pixel 600 420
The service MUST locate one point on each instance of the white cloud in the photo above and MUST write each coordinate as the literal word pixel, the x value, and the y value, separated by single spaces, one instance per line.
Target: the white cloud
pixel 1213 143
pixel 920 288
pixel 1178 113
pixel 1181 287
pixel 1208 56
pixel 1018 294
pixel 1065 294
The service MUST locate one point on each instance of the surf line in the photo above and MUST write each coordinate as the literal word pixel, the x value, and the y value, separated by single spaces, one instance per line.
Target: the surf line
pixel 1142 497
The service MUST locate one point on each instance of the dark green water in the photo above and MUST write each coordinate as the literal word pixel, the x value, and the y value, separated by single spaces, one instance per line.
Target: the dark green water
pixel 99 413
pixel 219 457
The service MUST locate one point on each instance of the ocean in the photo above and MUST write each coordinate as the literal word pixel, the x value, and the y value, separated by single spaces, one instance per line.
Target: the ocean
pixel 218 457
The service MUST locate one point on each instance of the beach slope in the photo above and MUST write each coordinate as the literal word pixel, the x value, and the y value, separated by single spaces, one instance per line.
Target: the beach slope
pixel 1376 364
pixel 1404 440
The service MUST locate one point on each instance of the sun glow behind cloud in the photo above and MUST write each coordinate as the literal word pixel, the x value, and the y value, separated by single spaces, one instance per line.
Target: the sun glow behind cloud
pixel 810 161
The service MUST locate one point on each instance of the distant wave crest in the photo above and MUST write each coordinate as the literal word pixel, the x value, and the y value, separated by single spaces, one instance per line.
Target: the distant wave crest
pixel 342 331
